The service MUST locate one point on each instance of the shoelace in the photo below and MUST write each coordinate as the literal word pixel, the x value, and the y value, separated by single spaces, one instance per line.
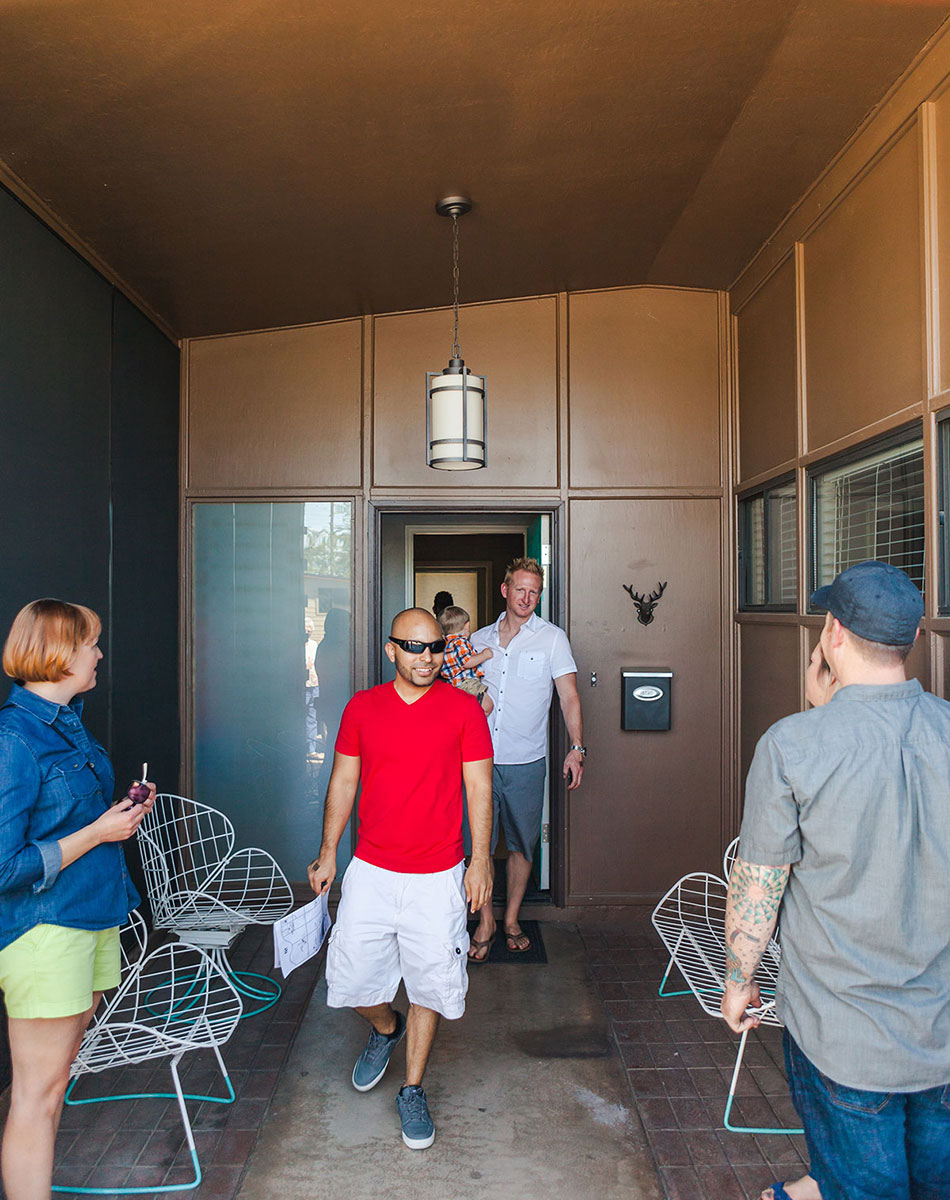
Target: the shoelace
pixel 415 1103
pixel 377 1042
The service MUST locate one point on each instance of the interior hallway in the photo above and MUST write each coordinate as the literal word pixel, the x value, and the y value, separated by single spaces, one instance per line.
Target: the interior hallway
pixel 528 1092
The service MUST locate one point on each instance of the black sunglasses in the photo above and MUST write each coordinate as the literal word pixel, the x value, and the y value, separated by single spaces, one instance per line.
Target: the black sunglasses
pixel 413 647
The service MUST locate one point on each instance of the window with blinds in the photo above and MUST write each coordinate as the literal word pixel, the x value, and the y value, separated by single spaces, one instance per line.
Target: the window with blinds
pixel 872 507
pixel 768 548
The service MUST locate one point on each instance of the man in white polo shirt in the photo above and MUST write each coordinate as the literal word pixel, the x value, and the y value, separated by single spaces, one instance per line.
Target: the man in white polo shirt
pixel 530 658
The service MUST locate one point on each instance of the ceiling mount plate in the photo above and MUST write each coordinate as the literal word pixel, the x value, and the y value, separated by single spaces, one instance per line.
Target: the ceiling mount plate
pixel 453 206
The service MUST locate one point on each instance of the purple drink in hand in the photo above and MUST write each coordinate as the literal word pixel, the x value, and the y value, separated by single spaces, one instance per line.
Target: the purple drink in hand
pixel 139 792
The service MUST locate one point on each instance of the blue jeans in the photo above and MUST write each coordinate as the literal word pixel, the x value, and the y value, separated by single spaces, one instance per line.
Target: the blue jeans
pixel 871 1145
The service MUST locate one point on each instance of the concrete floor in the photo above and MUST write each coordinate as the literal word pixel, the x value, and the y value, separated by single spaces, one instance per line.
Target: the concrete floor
pixel 528 1093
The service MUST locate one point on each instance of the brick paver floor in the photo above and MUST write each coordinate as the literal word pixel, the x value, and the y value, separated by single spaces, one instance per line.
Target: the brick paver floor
pixel 679 1062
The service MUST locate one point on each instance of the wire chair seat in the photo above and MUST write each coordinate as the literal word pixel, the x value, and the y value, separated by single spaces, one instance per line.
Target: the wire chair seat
pixel 247 889
pixel 203 890
pixel 176 1000
pixel 690 920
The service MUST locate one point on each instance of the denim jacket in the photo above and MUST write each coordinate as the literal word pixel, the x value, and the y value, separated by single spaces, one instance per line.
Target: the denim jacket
pixel 55 778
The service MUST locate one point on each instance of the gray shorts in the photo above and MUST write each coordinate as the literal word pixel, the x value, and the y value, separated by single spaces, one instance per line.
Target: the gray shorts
pixel 517 795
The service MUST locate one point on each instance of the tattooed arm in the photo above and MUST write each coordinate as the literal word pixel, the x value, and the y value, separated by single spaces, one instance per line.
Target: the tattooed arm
pixel 755 894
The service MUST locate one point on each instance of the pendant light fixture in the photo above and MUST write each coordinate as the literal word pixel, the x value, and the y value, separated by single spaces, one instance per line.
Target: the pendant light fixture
pixel 456 413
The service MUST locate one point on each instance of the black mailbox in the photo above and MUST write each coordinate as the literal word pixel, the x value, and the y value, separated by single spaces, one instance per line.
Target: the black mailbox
pixel 645 699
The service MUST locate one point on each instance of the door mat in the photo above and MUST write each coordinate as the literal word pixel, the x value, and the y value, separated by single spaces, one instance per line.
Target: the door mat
pixel 500 953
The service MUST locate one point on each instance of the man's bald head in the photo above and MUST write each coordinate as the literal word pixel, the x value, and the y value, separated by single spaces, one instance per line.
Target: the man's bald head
pixel 417 667
pixel 416 623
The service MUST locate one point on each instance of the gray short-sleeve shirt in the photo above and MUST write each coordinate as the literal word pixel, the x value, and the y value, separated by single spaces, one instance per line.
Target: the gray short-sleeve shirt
pixel 856 796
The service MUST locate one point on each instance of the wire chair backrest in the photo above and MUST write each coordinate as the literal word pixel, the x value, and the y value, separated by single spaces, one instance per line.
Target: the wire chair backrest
pixel 133 937
pixel 174 999
pixel 729 858
pixel 183 844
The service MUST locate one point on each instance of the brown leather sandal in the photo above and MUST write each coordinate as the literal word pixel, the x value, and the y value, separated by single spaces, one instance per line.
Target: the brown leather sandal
pixel 475 944
pixel 514 941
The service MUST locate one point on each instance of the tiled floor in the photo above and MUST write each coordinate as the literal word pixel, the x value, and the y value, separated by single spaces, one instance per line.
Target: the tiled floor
pixel 679 1062
pixel 102 1147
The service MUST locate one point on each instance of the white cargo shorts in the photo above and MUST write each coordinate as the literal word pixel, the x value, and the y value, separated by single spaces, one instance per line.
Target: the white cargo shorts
pixel 393 926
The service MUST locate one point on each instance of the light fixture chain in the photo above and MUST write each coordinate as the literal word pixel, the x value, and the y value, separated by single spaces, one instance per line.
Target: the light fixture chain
pixel 455 285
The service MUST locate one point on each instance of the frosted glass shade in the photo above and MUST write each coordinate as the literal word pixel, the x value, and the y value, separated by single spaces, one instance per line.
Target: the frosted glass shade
pixel 456 419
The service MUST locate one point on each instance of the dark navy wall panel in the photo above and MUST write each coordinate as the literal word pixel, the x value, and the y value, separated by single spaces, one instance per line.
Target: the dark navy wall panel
pixel 55 365
pixel 144 643
pixel 89 485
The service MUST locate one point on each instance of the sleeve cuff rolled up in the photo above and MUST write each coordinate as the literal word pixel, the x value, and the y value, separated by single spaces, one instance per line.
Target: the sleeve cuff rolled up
pixel 52 857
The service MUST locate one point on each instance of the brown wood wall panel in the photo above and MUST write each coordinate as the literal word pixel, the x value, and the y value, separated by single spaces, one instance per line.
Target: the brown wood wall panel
pixel 769 681
pixel 278 409
pixel 918 663
pixel 644 388
pixel 864 301
pixel 284 409
pixel 514 345
pixel 865 321
pixel 649 807
pixel 942 173
pixel 768 375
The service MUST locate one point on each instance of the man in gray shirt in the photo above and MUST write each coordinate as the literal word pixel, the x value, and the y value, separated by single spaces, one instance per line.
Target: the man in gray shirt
pixel 848 818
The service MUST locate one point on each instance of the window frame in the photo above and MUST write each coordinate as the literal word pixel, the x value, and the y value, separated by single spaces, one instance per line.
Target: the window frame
pixel 894 440
pixel 943 499
pixel 743 545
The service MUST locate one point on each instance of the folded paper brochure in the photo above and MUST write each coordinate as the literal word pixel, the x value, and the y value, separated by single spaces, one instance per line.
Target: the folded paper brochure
pixel 299 935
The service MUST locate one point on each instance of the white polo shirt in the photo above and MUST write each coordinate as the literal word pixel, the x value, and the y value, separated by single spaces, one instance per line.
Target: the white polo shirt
pixel 520 678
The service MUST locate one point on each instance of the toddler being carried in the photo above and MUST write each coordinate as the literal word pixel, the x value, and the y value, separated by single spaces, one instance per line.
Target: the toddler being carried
pixel 462 660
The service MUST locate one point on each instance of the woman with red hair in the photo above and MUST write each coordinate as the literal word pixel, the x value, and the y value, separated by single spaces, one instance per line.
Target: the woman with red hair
pixel 64 888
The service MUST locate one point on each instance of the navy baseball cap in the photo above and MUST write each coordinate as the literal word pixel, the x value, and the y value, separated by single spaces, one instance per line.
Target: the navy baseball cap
pixel 876 601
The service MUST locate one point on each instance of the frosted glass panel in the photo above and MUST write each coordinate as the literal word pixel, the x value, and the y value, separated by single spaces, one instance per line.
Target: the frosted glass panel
pixel 272 667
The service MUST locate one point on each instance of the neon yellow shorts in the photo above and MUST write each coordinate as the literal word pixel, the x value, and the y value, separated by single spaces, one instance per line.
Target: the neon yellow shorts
pixel 52 971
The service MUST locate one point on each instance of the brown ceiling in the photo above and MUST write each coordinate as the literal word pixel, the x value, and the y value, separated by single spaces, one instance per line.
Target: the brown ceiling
pixel 250 163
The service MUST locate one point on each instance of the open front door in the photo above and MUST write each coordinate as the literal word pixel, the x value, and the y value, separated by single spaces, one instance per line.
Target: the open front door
pixel 538 545
pixel 465 554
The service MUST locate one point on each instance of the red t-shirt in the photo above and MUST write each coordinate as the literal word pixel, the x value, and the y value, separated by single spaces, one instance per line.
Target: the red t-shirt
pixel 411 772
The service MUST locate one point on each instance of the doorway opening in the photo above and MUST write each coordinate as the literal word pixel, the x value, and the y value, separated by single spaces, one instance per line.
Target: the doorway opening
pixel 466 554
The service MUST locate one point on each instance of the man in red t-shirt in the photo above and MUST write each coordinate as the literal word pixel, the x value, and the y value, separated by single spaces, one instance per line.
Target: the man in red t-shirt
pixel 411 744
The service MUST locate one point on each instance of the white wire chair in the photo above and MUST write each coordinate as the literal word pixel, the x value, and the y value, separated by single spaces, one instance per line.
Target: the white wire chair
pixel 690 920
pixel 205 891
pixel 173 1000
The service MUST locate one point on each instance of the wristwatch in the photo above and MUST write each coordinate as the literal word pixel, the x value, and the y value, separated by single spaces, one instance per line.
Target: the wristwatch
pixel 581 749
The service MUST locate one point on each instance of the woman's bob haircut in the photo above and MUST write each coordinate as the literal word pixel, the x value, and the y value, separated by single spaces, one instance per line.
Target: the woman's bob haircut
pixel 45 638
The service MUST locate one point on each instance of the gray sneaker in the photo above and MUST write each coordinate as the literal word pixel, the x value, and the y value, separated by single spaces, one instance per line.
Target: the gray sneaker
pixel 418 1129
pixel 372 1063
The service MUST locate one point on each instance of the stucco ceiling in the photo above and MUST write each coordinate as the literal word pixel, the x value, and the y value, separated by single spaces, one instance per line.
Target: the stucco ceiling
pixel 250 163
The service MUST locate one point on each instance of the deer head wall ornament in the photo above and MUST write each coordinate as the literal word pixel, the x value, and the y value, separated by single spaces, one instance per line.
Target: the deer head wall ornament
pixel 645 604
